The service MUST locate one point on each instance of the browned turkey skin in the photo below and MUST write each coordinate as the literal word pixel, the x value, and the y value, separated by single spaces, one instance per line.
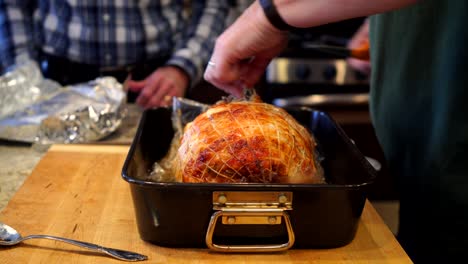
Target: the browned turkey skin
pixel 246 142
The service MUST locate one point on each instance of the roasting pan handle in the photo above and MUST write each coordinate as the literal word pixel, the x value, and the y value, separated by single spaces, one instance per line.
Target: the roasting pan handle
pixel 253 214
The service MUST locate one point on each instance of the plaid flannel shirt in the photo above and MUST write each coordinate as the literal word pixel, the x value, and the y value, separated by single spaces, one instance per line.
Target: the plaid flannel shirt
pixel 112 32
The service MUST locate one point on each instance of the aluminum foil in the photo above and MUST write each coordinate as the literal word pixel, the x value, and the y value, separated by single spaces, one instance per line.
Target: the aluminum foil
pixel 53 114
pixel 23 86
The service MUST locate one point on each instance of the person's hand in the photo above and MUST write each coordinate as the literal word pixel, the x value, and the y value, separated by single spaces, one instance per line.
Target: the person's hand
pixel 243 51
pixel 159 88
pixel 359 38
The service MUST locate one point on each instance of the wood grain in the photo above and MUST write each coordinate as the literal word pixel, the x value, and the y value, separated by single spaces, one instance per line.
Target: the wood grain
pixel 76 191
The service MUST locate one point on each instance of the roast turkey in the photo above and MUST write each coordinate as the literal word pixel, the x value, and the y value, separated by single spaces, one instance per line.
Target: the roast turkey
pixel 247 142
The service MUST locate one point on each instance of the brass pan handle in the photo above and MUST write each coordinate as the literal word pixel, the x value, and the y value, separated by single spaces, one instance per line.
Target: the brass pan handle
pixel 254 214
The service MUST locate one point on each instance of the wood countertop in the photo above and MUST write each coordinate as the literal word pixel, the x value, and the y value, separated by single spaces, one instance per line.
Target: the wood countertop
pixel 76 191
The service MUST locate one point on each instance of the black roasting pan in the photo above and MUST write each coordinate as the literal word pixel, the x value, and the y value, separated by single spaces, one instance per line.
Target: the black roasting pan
pixel 219 216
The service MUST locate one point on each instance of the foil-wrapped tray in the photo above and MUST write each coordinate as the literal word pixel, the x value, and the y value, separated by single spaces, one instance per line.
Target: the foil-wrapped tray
pixel 37 110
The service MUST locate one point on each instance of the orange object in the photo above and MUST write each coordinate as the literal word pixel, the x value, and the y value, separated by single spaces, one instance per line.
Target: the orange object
pixel 361 52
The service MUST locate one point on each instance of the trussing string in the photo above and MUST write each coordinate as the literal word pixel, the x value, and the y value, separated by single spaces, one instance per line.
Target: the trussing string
pixel 245 136
pixel 278 122
pixel 212 123
pixel 269 148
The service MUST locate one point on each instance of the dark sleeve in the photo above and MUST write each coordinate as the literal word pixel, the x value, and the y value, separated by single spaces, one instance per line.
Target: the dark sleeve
pixel 208 19
pixel 16 31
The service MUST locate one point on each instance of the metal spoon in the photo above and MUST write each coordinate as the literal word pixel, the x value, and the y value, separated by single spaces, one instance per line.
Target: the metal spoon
pixel 10 237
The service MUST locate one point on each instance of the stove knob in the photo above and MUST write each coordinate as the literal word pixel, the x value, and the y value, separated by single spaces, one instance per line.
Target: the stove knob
pixel 329 73
pixel 302 72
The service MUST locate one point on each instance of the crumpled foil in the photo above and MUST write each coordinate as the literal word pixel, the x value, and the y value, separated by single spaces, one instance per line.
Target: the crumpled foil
pixel 53 114
pixel 23 86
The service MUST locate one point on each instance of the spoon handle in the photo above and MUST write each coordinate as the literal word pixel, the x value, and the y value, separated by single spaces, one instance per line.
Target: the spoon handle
pixel 116 253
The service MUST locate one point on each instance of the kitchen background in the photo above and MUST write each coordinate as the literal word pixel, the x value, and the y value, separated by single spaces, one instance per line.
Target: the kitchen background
pixel 299 76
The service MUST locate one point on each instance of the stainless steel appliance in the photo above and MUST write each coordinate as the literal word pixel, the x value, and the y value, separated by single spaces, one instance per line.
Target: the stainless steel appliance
pixel 303 70
pixel 313 71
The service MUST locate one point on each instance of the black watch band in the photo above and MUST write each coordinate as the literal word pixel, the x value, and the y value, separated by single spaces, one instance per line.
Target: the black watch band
pixel 273 16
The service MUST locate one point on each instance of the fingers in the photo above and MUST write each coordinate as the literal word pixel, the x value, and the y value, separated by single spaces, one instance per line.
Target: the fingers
pixel 360 38
pixel 135 86
pixel 161 86
pixel 235 88
pixel 223 70
pixel 155 96
pixel 253 70
pixel 230 82
pixel 250 36
pixel 148 90
pixel 246 74
pixel 233 75
pixel 232 86
pixel 162 96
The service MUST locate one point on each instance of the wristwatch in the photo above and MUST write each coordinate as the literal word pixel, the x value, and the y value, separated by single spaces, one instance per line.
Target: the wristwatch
pixel 273 16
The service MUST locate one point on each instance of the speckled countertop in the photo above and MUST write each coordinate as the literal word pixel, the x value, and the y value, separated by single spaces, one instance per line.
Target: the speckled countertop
pixel 17 160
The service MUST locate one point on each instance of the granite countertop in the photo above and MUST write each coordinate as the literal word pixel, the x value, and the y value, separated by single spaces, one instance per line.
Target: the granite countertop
pixel 17 160
pixel 16 163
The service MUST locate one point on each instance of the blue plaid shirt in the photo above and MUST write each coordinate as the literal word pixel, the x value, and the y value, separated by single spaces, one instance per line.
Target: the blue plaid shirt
pixel 112 32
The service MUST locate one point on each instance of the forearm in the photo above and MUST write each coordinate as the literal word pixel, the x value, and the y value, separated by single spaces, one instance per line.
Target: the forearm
pixel 307 13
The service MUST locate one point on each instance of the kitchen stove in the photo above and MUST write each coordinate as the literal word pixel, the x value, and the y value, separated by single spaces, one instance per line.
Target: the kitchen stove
pixel 313 71
pixel 302 76
pixel 301 70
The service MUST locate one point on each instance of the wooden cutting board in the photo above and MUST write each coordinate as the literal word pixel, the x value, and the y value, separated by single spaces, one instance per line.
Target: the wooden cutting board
pixel 76 191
